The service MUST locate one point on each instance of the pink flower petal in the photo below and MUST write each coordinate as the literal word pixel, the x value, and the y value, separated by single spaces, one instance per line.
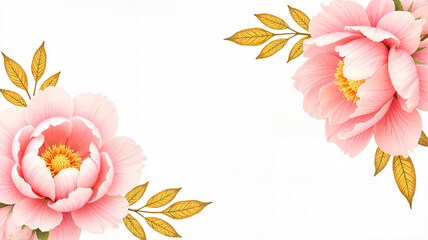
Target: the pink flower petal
pixel 23 187
pixel 35 213
pixel 363 58
pixel 20 142
pixel 11 121
pixel 335 17
pixel 105 178
pixel 65 182
pixel 55 130
pixel 404 26
pixel 9 194
pixel 416 4
pixel 423 87
pixel 377 9
pixel 52 102
pixel 334 106
pixel 38 175
pixel 90 168
pixel 127 163
pixel 4 212
pixel 422 55
pixel 83 134
pixel 404 77
pixel 35 145
pixel 100 111
pixel 325 44
pixel 423 14
pixel 399 131
pixel 76 200
pixel 376 34
pixel 67 230
pixel 374 93
pixel 352 146
pixel 97 216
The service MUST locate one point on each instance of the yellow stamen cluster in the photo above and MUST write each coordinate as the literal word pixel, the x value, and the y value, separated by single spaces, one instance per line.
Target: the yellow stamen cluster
pixel 59 158
pixel 348 87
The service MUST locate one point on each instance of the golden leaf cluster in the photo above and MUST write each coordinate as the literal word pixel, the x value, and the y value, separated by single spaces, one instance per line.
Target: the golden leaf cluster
pixel 178 210
pixel 18 76
pixel 258 36
pixel 403 169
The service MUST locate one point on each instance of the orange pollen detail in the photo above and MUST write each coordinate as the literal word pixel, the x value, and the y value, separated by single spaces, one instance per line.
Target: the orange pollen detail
pixel 348 87
pixel 59 158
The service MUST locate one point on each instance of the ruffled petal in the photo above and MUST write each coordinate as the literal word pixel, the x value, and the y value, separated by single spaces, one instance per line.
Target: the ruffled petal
pixel 9 194
pixel 11 121
pixel 23 187
pixel 20 142
pixel 127 163
pixel 35 213
pixel 325 44
pixel 105 178
pixel 67 230
pixel 65 182
pixel 90 168
pixel 83 134
pixel 404 77
pixel 376 34
pixel 97 216
pixel 423 87
pixel 75 200
pixel 423 14
pixel 363 58
pixel 334 106
pixel 377 9
pixel 398 131
pixel 55 131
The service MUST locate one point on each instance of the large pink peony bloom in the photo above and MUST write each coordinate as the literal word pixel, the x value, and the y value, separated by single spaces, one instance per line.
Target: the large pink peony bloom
pixel 62 166
pixel 361 76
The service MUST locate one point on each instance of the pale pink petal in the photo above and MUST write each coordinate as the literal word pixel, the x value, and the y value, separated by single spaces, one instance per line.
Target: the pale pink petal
pixel 374 93
pixel 10 122
pixel 105 178
pixel 422 55
pixel 67 230
pixel 354 145
pixel 311 77
pixel 9 194
pixel 404 26
pixel 376 34
pixel 97 216
pixel 127 161
pixel 83 134
pixel 100 111
pixel 35 145
pixel 17 232
pixel 76 200
pixel 52 102
pixel 35 213
pixel 335 17
pixel 23 187
pixel 377 9
pixel 38 175
pixel 65 182
pixel 423 14
pixel 90 168
pixel 416 4
pixel 404 77
pixel 334 106
pixel 423 87
pixel 363 58
pixel 327 44
pixel 55 130
pixel 20 142
pixel 4 212
pixel 398 131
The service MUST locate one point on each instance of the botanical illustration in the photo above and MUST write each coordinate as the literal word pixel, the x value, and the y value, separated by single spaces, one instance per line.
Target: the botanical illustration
pixel 365 76
pixel 64 170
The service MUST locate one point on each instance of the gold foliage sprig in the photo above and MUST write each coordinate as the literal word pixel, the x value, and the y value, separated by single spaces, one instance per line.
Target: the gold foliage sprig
pixel 18 76
pixel 177 210
pixel 258 36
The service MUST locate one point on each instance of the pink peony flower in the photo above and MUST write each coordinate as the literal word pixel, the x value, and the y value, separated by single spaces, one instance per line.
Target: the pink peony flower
pixel 361 76
pixel 62 166
pixel 10 231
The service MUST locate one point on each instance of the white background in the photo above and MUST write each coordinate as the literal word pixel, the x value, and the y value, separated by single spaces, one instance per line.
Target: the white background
pixel 213 120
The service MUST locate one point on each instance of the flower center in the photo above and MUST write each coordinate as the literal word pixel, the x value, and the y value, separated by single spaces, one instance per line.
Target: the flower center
pixel 348 87
pixel 59 158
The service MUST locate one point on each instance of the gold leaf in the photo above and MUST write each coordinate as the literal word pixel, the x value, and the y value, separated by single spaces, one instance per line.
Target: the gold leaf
pixel 272 21
pixel 405 177
pixel 134 227
pixel 251 37
pixel 272 48
pixel 50 82
pixel 297 49
pixel 423 140
pixel 381 159
pixel 13 98
pixel 163 198
pixel 184 209
pixel 162 227
pixel 16 73
pixel 299 17
pixel 38 64
pixel 135 194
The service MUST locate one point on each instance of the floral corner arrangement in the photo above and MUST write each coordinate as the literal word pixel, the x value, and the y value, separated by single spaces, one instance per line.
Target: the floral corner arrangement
pixel 366 75
pixel 63 169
